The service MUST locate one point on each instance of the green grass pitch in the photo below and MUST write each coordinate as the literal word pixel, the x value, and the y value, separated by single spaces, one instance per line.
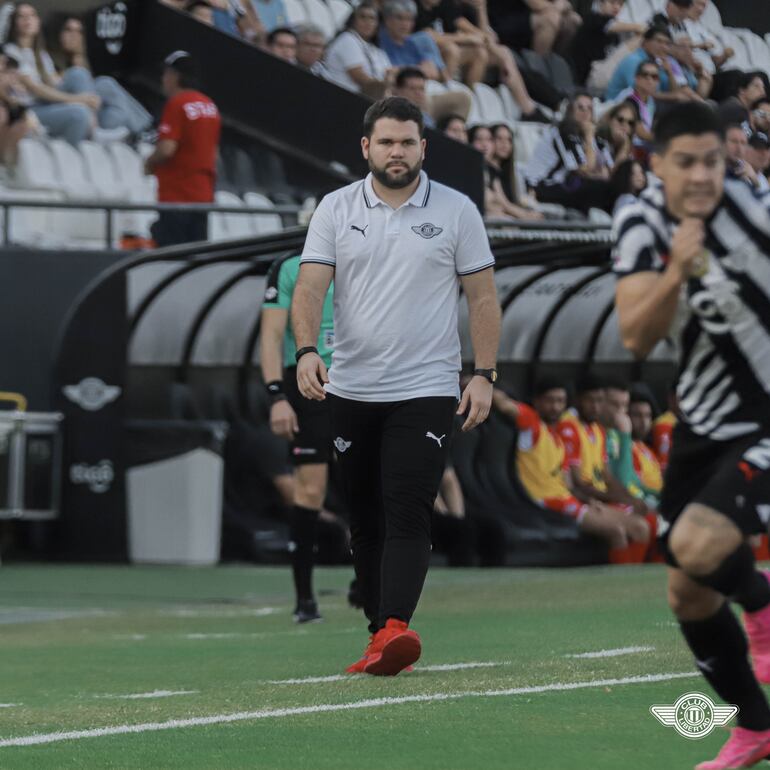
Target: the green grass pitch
pixel 207 644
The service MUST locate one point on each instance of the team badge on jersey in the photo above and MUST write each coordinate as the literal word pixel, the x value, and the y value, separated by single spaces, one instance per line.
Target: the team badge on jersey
pixel 271 293
pixel 427 230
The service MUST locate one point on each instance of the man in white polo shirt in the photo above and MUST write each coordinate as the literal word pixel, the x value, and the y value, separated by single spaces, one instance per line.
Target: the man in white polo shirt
pixel 398 247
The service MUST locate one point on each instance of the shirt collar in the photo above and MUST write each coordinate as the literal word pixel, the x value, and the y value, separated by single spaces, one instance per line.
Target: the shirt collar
pixel 419 197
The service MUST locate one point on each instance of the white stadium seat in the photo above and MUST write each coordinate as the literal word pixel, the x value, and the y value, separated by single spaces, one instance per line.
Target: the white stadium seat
pixel 227 225
pixel 264 223
pixel 102 171
pixel 129 169
pixel 35 167
pixel 296 12
pixel 526 137
pixel 490 105
pixel 512 109
pixel 340 10
pixel 320 14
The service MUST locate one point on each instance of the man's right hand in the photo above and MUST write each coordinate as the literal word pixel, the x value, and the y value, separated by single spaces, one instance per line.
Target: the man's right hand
pixel 283 420
pixel 311 376
pixel 687 246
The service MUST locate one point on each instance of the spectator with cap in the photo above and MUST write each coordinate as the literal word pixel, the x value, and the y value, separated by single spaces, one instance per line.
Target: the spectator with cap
pixel 353 59
pixel 406 49
pixel 410 85
pixel 311 43
pixel 282 43
pixel 736 148
pixel 735 109
pixel 184 160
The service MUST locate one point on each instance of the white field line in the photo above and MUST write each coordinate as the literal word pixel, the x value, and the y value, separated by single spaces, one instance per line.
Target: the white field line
pixel 148 695
pixel 9 705
pixel 344 677
pixel 222 612
pixel 262 634
pixel 612 653
pixel 325 708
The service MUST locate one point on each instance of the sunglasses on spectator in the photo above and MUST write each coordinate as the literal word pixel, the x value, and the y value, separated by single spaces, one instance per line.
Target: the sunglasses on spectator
pixel 649 74
pixel 762 113
pixel 625 121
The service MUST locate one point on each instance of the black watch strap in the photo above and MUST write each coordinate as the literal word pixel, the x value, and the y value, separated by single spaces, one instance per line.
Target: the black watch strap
pixel 487 374
pixel 301 352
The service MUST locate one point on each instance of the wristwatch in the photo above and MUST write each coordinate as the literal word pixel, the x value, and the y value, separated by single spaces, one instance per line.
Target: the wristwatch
pixel 487 374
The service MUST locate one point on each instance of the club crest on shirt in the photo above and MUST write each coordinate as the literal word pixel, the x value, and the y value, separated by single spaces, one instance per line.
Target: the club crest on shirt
pixel 427 230
pixel 341 445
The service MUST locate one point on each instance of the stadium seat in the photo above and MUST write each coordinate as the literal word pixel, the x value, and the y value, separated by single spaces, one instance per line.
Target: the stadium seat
pixel 757 50
pixel 264 223
pixel 510 107
pixel 35 167
pixel 101 171
pixel 729 37
pixel 712 18
pixel 223 226
pixel 340 10
pixel 296 12
pixel 71 170
pixel 129 168
pixel 526 137
pixel 320 14
pixel 33 227
pixel 490 105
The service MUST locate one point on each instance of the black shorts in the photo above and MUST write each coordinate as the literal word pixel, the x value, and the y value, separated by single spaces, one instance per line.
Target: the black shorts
pixel 313 443
pixel 732 477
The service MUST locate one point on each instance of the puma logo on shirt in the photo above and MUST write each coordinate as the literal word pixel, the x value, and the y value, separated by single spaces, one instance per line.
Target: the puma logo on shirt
pixel 361 230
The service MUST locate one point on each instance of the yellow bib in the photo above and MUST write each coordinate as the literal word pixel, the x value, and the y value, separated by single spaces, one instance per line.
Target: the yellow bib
pixel 539 464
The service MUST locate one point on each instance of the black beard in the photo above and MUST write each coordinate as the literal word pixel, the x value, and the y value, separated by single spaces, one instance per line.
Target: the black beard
pixel 382 176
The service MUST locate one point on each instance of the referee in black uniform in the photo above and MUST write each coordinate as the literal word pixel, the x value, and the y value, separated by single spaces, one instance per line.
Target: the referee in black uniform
pixel 693 261
pixel 398 246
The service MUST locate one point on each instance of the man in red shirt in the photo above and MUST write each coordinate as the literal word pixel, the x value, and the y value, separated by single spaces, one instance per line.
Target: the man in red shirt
pixel 184 160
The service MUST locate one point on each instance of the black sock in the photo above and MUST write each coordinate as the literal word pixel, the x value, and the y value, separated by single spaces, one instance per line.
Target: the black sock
pixel 721 653
pixel 303 532
pixel 737 578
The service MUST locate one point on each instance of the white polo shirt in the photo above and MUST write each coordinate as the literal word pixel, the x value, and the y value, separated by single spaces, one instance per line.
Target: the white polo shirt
pixel 396 287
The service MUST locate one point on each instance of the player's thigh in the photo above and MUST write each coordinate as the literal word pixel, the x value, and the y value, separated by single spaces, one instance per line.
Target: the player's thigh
pixel 415 450
pixel 356 429
pixel 702 538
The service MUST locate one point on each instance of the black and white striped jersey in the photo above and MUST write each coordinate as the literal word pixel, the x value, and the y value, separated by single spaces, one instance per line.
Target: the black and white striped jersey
pixel 722 329
pixel 555 156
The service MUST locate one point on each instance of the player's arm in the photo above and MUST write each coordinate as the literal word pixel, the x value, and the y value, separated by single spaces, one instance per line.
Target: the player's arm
pixel 505 405
pixel 479 288
pixel 647 301
pixel 272 327
pixel 306 311
pixel 165 149
pixel 617 493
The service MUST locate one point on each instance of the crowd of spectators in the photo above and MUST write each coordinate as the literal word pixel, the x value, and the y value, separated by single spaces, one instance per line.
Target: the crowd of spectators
pixel 47 88
pixel 593 153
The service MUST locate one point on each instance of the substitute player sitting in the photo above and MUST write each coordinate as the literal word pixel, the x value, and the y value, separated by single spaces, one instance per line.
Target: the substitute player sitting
pixel 693 261
pixel 542 467
pixel 305 424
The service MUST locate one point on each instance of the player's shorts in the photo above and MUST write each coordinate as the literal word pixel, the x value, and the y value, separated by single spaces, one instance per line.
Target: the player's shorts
pixel 732 477
pixel 569 506
pixel 313 443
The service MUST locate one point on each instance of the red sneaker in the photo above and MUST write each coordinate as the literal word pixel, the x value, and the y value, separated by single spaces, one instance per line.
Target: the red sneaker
pixel 393 649
pixel 757 626
pixel 358 666
pixel 744 748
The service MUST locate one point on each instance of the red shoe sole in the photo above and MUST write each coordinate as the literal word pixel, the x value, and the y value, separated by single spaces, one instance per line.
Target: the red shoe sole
pixel 398 654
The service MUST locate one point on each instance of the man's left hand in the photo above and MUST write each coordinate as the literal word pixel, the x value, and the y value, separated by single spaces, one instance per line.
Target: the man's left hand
pixel 477 401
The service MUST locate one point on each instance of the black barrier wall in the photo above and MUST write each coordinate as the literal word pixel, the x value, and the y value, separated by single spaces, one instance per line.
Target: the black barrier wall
pixel 39 288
